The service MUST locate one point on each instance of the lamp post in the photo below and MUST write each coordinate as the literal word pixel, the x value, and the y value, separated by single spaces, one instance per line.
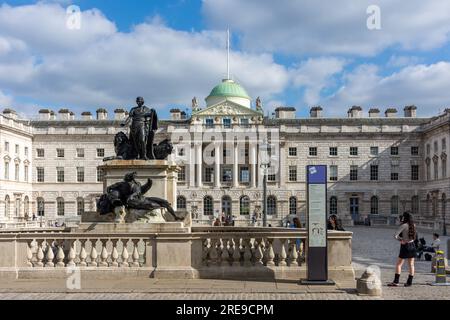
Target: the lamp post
pixel 444 231
pixel 265 165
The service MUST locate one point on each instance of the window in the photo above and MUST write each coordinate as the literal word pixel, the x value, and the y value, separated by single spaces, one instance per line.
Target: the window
pixel 6 170
pixel 80 174
pixel 26 173
pixel 374 151
pixel 374 205
pixel 26 206
pixel 272 177
pixel 292 152
pixel 245 123
pixel 181 203
pixel 394 172
pixel 353 151
pixel 428 149
pixel 436 170
pixel 444 168
pixel 373 172
pixel 444 144
pixel 209 174
pixel 60 153
pixel 227 175
pixel 182 174
pixel 100 175
pixel 414 151
pixel 293 173
pixel 394 151
pixel 60 174
pixel 60 206
pixel 80 153
pixel 26 151
pixel 181 152
pixel 17 149
pixel 40 207
pixel 313 151
pixel 209 123
pixel 227 123
pixel 17 172
pixel 6 146
pixel 7 206
pixel 333 173
pixel 244 205
pixel 293 205
pixel 244 175
pixel 436 147
pixel 415 205
pixel 333 151
pixel 226 152
pixel 40 153
pixel 394 205
pixel 208 206
pixel 353 173
pixel 40 173
pixel 444 204
pixel 333 205
pixel 271 205
pixel 100 153
pixel 415 172
pixel 428 172
pixel 80 206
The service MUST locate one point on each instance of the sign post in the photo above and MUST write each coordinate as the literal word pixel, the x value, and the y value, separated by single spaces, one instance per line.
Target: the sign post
pixel 317 256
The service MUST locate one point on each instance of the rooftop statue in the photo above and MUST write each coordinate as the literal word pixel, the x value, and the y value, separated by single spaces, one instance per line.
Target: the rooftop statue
pixel 259 107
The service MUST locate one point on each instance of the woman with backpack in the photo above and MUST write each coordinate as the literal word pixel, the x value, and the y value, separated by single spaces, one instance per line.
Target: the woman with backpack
pixel 406 234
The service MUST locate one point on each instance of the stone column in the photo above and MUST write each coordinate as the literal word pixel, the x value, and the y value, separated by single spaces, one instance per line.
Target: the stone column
pixel 236 166
pixel 282 161
pixel 217 165
pixel 199 164
pixel 192 165
pixel 253 164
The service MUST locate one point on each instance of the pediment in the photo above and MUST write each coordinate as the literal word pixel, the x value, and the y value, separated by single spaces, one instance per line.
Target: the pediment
pixel 227 108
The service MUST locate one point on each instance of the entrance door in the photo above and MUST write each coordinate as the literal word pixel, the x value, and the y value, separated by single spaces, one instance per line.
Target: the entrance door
pixel 226 206
pixel 354 208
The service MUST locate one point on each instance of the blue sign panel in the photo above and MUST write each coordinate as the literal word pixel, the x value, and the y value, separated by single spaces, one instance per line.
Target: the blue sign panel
pixel 317 174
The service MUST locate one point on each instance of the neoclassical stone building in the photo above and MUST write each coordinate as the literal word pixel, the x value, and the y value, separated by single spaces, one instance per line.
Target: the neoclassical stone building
pixel 378 164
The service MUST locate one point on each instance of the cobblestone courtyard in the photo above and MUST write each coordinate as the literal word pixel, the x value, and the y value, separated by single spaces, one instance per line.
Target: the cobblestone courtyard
pixel 371 246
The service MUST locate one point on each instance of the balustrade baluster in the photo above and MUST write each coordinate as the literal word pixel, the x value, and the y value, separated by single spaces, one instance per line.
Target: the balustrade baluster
pixel 136 253
pixel 104 254
pixel 270 255
pixel 283 255
pixel 293 256
pixel 213 254
pixel 60 256
pixel 125 255
pixel 83 254
pixel 72 255
pixel 236 252
pixel 247 252
pixel 114 254
pixel 29 254
pixel 205 253
pixel 40 254
pixel 50 255
pixel 94 254
pixel 258 252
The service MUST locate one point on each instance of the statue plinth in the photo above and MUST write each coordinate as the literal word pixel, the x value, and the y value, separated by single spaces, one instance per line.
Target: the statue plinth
pixel 163 173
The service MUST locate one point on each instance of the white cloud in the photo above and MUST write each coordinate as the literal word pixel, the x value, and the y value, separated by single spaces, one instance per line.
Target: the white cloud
pixel 95 66
pixel 331 27
pixel 425 86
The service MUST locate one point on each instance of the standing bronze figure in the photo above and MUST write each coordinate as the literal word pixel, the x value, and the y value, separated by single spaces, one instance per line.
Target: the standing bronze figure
pixel 144 123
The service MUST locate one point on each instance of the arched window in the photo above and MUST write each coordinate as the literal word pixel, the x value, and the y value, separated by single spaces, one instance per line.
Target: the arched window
pixel 244 204
pixel 293 205
pixel 394 205
pixel 435 205
pixel 60 206
pixel 7 206
pixel 374 205
pixel 333 205
pixel 444 204
pixel 415 205
pixel 181 203
pixel 208 207
pixel 80 206
pixel 26 206
pixel 40 207
pixel 271 205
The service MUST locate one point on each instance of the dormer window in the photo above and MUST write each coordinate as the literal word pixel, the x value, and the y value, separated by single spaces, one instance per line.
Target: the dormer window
pixel 209 122
pixel 227 123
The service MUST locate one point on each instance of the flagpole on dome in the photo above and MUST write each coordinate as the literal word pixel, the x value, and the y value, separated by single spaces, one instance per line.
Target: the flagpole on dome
pixel 228 54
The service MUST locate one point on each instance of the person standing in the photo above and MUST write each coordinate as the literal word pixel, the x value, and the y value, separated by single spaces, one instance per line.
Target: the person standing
pixel 406 234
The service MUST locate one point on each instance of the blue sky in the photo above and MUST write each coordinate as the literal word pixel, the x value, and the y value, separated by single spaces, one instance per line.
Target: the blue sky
pixel 291 53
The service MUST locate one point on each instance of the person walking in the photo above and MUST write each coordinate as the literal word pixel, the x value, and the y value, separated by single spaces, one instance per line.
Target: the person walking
pixel 406 234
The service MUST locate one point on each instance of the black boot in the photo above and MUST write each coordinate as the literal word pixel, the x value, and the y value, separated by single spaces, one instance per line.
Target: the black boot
pixel 409 281
pixel 396 281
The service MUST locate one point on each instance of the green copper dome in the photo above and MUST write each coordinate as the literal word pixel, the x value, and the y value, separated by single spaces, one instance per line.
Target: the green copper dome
pixel 229 88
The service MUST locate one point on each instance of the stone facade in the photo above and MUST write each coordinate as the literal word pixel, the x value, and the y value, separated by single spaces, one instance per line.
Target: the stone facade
pixel 378 166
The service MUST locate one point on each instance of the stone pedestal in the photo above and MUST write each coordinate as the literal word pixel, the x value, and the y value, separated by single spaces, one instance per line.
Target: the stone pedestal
pixel 163 173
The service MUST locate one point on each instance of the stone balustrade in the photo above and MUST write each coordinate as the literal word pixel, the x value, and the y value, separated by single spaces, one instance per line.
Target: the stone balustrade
pixel 205 252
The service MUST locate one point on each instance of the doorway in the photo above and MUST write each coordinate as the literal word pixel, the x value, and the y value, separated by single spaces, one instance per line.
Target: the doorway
pixel 354 208
pixel 226 206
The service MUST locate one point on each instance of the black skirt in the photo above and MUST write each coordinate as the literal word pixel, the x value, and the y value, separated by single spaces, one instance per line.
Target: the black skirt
pixel 408 251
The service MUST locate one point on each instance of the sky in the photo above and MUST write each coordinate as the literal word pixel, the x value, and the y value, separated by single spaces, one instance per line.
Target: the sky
pixel 302 53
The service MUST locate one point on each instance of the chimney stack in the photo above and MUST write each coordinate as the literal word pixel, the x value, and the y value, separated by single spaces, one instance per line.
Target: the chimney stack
pixel 10 113
pixel 410 111
pixel 374 113
pixel 86 116
pixel 391 113
pixel 175 114
pixel 316 112
pixel 64 114
pixel 355 112
pixel 119 114
pixel 44 114
pixel 285 113
pixel 102 114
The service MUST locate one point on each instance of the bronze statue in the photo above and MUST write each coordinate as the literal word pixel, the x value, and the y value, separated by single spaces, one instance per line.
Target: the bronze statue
pixel 144 123
pixel 130 194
